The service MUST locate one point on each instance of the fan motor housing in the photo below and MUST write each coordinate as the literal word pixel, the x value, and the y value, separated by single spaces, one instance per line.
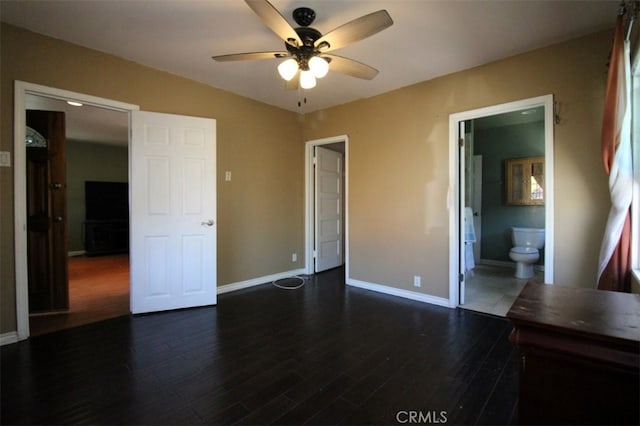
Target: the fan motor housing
pixel 304 16
pixel 303 53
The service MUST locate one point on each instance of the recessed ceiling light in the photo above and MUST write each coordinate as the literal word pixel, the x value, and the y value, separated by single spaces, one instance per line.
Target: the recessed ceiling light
pixel 75 103
pixel 527 112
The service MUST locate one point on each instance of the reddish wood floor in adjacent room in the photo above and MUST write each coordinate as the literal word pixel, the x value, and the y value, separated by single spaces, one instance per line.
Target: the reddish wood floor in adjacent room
pixel 98 289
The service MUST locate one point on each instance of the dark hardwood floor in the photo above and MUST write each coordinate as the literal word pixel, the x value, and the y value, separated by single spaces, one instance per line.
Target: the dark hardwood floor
pixel 324 354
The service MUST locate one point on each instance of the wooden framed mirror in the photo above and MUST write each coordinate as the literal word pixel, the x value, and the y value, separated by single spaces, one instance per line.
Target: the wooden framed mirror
pixel 525 181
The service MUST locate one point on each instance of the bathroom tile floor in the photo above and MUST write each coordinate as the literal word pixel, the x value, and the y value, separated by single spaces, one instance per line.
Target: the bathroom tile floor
pixel 492 290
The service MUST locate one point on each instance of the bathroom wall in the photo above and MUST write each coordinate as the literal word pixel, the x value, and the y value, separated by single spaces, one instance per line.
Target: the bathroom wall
pixel 496 145
pixel 90 161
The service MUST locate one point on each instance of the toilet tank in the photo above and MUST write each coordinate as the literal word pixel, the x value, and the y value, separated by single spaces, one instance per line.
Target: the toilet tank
pixel 528 237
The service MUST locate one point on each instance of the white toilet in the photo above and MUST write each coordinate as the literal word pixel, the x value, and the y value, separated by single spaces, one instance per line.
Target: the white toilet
pixel 527 243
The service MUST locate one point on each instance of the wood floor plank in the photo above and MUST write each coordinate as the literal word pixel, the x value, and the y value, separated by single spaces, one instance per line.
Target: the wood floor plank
pixel 324 354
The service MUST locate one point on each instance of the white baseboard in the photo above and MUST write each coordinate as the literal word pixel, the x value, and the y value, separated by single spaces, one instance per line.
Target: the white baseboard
pixel 505 264
pixel 498 263
pixel 257 281
pixel 8 338
pixel 407 294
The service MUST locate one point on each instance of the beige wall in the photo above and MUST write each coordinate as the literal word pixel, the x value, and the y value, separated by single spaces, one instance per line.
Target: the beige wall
pixel 398 167
pixel 398 154
pixel 260 212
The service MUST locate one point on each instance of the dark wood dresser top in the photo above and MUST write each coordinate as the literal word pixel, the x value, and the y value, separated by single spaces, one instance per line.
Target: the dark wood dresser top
pixel 602 315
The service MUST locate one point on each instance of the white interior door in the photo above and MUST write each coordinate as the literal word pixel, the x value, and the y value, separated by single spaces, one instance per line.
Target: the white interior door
pixel 461 213
pixel 477 205
pixel 173 212
pixel 329 212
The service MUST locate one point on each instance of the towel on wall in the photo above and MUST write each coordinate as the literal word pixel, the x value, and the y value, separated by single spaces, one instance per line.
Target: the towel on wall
pixel 469 230
pixel 469 239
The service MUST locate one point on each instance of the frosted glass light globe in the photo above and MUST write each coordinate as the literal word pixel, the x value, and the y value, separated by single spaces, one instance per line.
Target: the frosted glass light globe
pixel 318 66
pixel 307 80
pixel 288 69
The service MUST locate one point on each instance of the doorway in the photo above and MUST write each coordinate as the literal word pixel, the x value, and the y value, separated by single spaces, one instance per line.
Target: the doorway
pixel 339 145
pixel 96 208
pixel 190 142
pixel 22 92
pixel 485 257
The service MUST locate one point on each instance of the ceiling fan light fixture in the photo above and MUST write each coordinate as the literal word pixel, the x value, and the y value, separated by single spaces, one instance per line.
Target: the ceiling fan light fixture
pixel 307 80
pixel 288 69
pixel 318 66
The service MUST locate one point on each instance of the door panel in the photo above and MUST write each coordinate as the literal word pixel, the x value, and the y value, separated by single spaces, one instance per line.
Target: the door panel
pixel 329 210
pixel 47 213
pixel 173 210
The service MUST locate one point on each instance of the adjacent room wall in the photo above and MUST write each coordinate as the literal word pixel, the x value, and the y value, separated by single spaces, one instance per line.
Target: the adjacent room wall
pixel 260 212
pixel 398 163
pixel 93 162
pixel 496 145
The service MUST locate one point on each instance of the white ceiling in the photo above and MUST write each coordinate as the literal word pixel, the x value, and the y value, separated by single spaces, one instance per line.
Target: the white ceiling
pixel 429 38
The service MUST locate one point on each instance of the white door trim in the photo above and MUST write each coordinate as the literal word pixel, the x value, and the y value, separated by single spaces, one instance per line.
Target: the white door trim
pixel 21 90
pixel 453 198
pixel 309 200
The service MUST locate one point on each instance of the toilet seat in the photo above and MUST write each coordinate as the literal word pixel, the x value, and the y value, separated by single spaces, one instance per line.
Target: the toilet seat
pixel 524 250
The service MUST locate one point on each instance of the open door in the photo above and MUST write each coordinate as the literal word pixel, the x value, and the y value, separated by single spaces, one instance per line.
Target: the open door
pixel 46 211
pixel 329 211
pixel 173 212
pixel 462 227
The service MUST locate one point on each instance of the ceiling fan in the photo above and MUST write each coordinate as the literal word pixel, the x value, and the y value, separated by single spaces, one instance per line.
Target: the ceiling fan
pixel 306 55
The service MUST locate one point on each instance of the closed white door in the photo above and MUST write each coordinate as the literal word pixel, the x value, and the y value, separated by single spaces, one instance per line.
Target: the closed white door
pixel 173 212
pixel 329 212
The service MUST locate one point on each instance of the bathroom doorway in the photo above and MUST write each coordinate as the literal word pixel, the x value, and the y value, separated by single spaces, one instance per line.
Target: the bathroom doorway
pixel 486 140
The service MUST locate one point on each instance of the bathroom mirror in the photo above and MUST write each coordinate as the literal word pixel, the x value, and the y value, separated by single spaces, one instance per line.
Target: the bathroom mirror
pixel 525 181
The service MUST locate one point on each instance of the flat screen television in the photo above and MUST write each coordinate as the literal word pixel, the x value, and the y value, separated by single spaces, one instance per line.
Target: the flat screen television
pixel 106 200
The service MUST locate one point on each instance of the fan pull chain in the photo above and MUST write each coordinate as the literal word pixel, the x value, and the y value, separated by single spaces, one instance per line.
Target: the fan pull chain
pixel 299 94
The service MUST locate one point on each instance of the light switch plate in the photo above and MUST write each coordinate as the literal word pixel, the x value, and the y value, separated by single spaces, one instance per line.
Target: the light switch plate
pixel 5 159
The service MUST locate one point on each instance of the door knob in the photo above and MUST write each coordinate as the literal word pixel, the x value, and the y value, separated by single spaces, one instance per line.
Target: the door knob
pixel 56 185
pixel 57 219
pixel 210 222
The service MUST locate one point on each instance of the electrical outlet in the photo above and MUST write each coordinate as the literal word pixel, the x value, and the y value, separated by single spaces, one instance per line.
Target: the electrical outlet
pixel 417 281
pixel 227 176
pixel 294 257
pixel 5 159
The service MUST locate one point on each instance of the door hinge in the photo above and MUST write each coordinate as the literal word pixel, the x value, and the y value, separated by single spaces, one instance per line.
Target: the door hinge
pixel 315 254
pixel 461 142
pixel 461 278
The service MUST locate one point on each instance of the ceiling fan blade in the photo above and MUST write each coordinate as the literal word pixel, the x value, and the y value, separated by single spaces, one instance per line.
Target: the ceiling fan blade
pixel 355 30
pixel 250 56
pixel 351 67
pixel 275 21
pixel 293 83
